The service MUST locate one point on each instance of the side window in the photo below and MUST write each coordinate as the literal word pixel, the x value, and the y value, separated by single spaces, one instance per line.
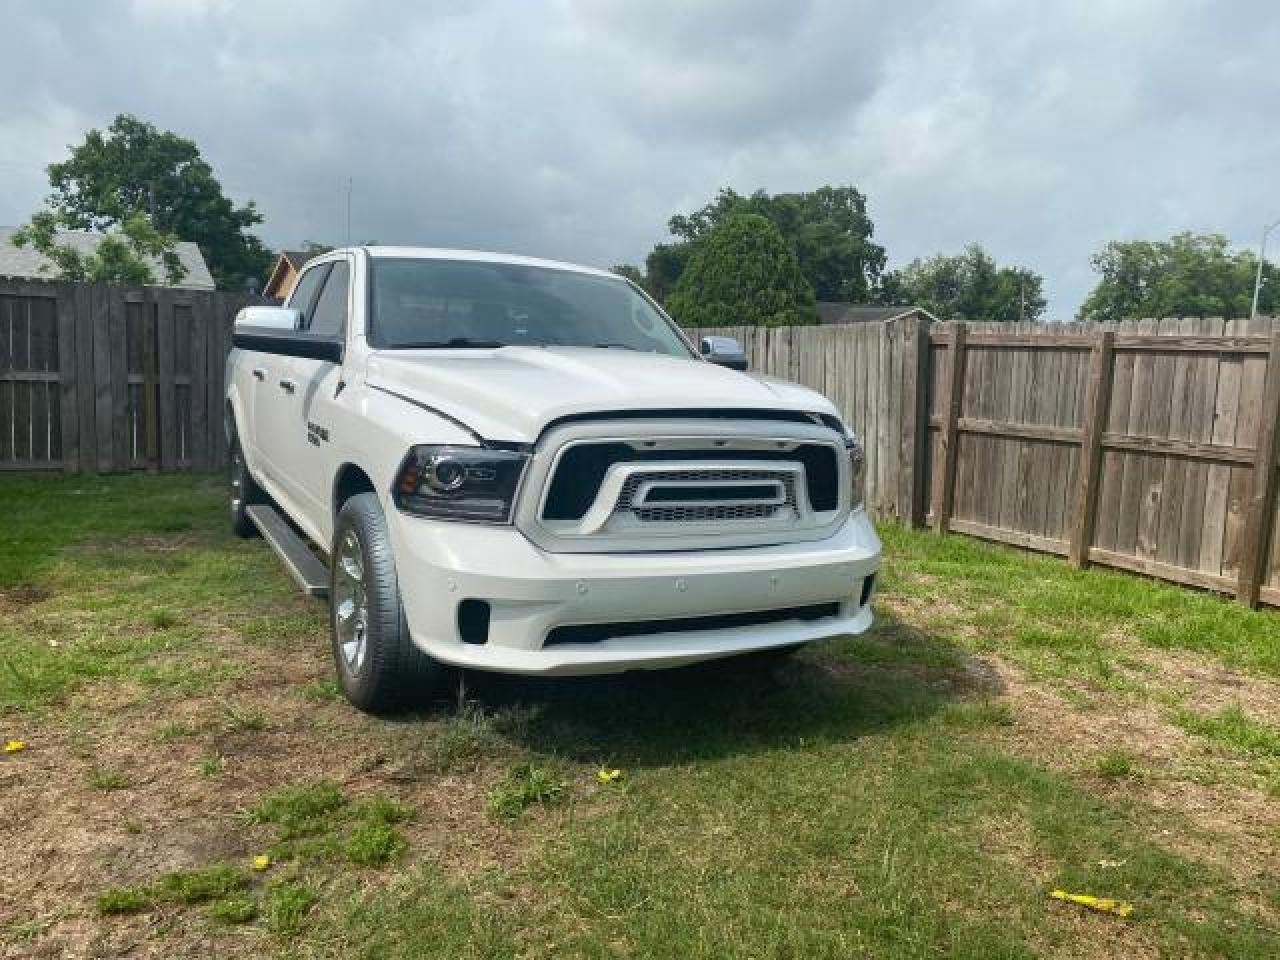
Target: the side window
pixel 329 317
pixel 304 291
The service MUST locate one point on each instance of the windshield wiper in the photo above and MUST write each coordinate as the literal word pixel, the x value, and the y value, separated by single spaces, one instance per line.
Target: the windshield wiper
pixel 613 346
pixel 466 342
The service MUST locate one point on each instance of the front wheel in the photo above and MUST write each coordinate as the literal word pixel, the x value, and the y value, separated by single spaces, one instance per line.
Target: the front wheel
pixel 379 668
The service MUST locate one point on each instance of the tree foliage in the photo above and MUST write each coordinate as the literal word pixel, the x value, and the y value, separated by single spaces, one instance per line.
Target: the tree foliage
pixel 123 255
pixel 742 271
pixel 1188 275
pixel 969 286
pixel 131 168
pixel 827 229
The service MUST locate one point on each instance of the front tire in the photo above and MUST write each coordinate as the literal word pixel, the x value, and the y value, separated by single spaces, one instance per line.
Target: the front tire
pixel 244 491
pixel 379 668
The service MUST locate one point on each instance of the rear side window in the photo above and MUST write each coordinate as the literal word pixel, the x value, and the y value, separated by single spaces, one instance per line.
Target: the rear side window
pixel 304 291
pixel 330 313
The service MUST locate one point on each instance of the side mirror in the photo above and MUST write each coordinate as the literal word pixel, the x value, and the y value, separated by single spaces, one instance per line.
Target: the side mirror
pixel 269 318
pixel 275 330
pixel 724 352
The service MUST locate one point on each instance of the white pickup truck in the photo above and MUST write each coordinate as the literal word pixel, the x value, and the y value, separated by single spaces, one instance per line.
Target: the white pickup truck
pixel 518 465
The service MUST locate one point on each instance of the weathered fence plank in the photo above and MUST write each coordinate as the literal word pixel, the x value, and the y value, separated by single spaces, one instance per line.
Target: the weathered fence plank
pixel 1260 510
pixel 1097 412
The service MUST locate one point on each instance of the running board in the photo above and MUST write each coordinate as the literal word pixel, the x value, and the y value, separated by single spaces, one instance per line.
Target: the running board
pixel 303 565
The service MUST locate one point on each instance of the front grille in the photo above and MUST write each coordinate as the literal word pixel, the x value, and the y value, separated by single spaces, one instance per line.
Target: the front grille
pixel 598 632
pixel 582 468
pixel 710 485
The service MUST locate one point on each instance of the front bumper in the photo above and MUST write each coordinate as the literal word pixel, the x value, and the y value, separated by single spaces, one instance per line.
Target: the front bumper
pixel 530 592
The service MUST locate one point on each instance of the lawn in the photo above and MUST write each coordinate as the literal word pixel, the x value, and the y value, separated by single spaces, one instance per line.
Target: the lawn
pixel 190 784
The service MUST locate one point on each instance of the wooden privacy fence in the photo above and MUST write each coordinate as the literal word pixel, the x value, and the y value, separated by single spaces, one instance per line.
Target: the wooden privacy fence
pixel 100 378
pixel 1149 446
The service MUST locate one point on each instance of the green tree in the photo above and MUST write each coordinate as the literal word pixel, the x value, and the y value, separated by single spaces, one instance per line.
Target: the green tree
pixel 632 273
pixel 828 229
pixel 742 272
pixel 132 167
pixel 123 255
pixel 1188 275
pixel 970 286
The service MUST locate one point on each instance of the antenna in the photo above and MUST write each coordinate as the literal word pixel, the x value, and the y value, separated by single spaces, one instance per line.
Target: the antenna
pixel 349 184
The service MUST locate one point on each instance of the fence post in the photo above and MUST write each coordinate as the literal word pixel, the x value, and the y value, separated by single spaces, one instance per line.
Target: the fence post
pixel 915 422
pixel 944 475
pixel 69 429
pixel 150 381
pixel 1260 510
pixel 1089 475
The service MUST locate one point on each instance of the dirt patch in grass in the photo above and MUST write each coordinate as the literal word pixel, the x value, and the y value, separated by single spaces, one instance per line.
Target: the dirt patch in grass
pixel 1208 685
pixel 20 597
pixel 185 768
pixel 1232 824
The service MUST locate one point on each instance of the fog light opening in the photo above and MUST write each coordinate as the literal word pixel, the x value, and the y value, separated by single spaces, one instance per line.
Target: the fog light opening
pixel 868 588
pixel 473 621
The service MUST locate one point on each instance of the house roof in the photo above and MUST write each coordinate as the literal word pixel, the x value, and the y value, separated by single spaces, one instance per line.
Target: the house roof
pixel 26 263
pixel 288 265
pixel 297 258
pixel 832 313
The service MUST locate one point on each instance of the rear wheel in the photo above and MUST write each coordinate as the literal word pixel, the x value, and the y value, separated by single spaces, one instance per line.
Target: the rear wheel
pixel 379 668
pixel 244 492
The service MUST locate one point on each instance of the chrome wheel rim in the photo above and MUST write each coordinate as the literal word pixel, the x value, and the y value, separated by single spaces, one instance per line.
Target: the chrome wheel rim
pixel 350 606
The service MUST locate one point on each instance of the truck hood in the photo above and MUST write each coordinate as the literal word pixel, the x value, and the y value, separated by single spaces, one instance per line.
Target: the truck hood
pixel 512 393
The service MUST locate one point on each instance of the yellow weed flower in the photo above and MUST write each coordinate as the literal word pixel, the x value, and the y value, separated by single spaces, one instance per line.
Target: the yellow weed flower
pixel 261 862
pixel 608 776
pixel 13 746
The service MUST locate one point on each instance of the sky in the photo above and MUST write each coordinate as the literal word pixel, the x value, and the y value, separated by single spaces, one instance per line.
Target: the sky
pixel 574 129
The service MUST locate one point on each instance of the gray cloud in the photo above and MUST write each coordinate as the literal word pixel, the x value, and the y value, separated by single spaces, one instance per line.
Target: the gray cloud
pixel 575 129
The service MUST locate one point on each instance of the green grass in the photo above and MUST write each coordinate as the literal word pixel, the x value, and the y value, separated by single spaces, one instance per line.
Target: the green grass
pixel 1231 726
pixel 106 780
pixel 203 884
pixel 286 906
pixel 1117 764
pixel 120 900
pixel 524 786
pixel 237 908
pixel 104 596
pixel 878 796
pixel 243 719
pixel 302 809
pixel 373 844
pixel 1059 621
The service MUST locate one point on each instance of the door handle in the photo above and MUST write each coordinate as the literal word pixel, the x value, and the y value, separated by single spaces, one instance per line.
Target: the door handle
pixel 260 373
pixel 288 386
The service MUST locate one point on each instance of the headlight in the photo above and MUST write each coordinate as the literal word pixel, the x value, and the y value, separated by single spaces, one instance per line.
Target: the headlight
pixel 459 483
pixel 857 472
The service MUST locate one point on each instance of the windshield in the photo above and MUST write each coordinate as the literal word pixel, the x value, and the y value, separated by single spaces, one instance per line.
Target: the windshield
pixel 467 303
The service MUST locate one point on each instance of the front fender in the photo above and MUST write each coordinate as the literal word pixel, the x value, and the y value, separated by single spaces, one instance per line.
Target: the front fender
pixel 377 429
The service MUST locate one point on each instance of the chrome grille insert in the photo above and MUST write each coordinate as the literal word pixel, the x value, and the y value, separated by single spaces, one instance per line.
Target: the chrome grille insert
pixel 655 485
pixel 708 496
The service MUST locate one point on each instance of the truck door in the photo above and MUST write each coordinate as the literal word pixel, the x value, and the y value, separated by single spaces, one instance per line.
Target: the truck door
pixel 311 448
pixel 270 398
